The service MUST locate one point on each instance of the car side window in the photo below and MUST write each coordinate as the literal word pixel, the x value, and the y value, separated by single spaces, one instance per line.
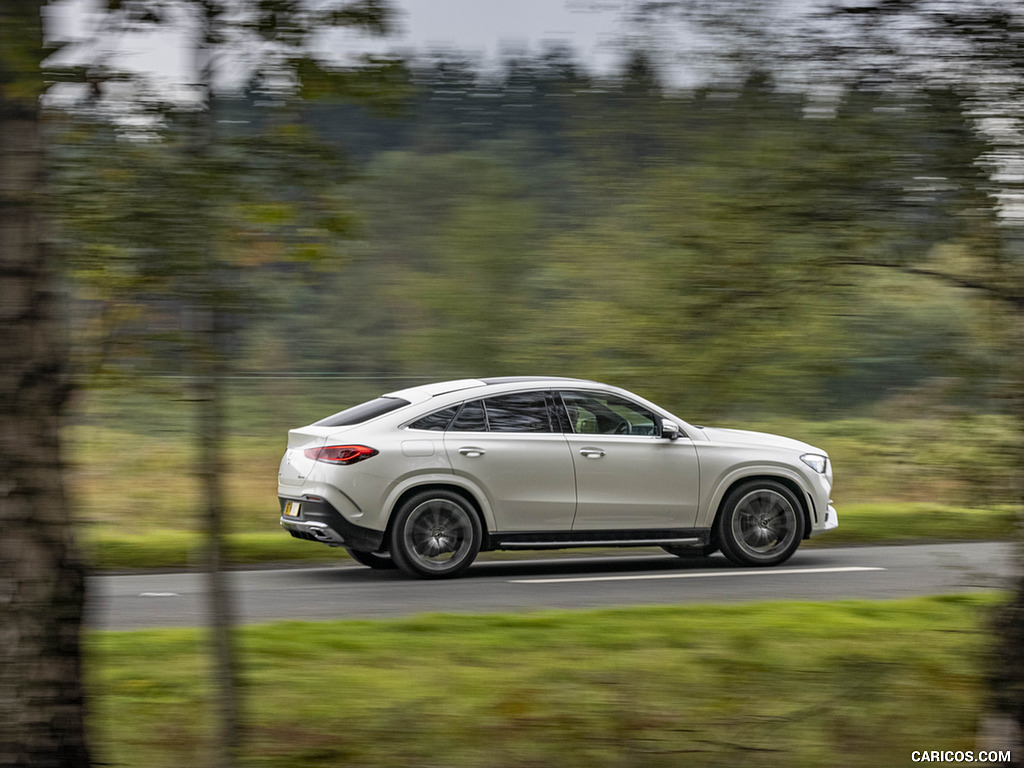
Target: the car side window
pixel 518 412
pixel 597 413
pixel 471 418
pixel 437 421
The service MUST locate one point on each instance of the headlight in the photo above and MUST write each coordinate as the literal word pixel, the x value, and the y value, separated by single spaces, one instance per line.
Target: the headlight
pixel 815 461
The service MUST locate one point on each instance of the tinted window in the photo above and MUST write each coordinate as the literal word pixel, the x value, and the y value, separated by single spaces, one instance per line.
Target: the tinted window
pixel 437 421
pixel 357 414
pixel 471 418
pixel 519 412
pixel 596 413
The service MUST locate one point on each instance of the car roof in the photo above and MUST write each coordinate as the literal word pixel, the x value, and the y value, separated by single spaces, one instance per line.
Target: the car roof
pixel 425 392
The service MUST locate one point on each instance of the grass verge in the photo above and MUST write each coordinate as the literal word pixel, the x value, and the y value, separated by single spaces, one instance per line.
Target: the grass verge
pixel 842 684
pixel 110 548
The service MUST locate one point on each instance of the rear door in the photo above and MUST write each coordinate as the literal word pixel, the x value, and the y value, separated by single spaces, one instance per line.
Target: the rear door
pixel 509 447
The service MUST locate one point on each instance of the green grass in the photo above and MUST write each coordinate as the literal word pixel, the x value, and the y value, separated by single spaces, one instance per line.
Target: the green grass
pixel 889 523
pixel 842 684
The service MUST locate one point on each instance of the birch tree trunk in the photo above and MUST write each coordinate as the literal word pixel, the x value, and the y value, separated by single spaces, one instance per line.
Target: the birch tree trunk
pixel 41 575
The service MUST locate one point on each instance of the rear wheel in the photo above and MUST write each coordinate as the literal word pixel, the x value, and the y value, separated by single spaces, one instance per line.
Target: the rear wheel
pixel 436 535
pixel 378 560
pixel 761 524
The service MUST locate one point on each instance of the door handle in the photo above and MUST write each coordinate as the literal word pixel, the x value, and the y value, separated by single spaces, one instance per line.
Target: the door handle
pixel 472 452
pixel 592 453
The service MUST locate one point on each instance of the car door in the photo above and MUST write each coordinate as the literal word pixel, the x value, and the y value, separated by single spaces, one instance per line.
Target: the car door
pixel 513 450
pixel 628 477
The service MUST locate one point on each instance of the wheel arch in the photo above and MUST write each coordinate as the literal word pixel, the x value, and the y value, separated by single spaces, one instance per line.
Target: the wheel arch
pixel 438 485
pixel 726 489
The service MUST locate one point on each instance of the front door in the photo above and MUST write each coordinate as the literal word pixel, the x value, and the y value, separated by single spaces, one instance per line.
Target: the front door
pixel 628 477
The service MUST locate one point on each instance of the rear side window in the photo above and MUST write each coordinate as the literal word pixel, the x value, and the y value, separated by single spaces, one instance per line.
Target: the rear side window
pixel 357 414
pixel 519 412
pixel 437 421
pixel 471 418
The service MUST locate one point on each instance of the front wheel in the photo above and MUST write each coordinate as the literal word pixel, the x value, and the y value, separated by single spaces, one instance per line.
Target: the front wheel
pixel 761 524
pixel 436 535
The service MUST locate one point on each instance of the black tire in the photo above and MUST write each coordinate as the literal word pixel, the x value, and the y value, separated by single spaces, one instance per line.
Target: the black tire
pixel 378 560
pixel 761 524
pixel 436 535
pixel 690 552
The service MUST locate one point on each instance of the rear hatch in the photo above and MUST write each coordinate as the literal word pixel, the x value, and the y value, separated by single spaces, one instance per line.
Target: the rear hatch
pixel 295 464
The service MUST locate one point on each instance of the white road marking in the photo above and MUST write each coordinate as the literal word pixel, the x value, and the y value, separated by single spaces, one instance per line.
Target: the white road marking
pixel 159 594
pixel 700 574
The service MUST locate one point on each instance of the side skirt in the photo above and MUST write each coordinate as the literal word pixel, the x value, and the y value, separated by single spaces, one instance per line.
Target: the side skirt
pixel 569 539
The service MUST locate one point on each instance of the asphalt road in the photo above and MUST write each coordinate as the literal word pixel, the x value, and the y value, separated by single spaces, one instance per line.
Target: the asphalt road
pixel 632 578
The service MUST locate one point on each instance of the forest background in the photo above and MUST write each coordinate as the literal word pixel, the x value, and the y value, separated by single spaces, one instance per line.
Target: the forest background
pixel 705 248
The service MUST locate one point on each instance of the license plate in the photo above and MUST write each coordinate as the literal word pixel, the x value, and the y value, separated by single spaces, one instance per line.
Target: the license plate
pixel 291 508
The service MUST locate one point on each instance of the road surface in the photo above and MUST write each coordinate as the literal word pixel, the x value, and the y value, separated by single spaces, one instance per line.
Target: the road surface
pixel 347 590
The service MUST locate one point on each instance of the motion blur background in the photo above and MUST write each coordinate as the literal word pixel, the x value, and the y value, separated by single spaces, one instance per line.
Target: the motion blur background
pixel 796 217
pixel 802 216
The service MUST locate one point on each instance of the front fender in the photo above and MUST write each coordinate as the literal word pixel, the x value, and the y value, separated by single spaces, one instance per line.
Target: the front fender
pixel 721 485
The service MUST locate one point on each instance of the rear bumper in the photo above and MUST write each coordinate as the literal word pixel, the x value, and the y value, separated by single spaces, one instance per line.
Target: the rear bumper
pixel 302 529
pixel 318 521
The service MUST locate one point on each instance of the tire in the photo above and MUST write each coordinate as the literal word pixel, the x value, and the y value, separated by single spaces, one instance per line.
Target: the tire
pixel 690 552
pixel 436 535
pixel 761 524
pixel 378 560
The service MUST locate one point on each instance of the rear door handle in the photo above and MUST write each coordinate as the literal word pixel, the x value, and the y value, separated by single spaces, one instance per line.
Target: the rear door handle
pixel 592 453
pixel 472 452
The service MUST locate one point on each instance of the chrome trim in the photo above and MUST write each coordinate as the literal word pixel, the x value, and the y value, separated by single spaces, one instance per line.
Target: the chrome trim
pixel 319 531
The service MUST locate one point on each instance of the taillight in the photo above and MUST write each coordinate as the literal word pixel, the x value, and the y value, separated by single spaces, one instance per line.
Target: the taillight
pixel 341 454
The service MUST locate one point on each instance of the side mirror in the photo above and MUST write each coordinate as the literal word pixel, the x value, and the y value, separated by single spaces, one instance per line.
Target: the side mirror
pixel 669 430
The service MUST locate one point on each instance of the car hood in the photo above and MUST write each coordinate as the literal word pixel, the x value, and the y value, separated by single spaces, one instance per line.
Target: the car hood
pixel 746 437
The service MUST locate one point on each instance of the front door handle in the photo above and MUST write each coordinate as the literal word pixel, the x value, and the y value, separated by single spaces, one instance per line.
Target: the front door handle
pixel 592 453
pixel 471 452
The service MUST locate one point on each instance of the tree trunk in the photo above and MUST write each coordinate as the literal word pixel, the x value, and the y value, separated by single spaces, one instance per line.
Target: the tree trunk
pixel 209 401
pixel 41 575
pixel 1006 668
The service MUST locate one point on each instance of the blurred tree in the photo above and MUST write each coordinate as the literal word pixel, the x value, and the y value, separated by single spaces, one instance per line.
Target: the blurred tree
pixel 41 574
pixel 178 213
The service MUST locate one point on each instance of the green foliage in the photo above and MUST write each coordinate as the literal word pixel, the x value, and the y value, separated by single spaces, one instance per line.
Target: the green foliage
pixel 802 684
pixel 674 245
pixel 21 51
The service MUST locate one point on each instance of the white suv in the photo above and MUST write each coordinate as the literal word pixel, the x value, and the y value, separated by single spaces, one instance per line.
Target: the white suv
pixel 427 477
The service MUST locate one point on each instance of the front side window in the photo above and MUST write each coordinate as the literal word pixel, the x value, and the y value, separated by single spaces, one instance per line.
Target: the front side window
pixel 598 413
